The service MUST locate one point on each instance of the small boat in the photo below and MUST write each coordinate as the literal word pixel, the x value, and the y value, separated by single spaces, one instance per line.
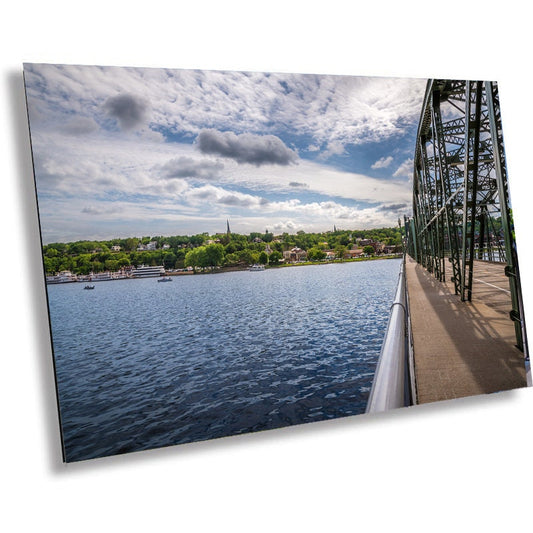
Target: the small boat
pixel 167 278
pixel 88 287
pixel 256 268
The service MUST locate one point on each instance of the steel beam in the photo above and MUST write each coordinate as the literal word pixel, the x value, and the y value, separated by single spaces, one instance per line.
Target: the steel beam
pixel 460 190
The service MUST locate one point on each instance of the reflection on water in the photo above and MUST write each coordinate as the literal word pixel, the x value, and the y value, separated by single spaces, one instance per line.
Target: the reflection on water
pixel 142 364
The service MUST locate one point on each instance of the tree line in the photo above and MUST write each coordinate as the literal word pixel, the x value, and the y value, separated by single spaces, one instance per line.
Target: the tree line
pixel 203 250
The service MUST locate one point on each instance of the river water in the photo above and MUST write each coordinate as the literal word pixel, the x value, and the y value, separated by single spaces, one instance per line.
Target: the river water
pixel 142 364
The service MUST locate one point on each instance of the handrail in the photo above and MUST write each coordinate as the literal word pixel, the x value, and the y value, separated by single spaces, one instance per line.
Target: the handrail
pixel 389 389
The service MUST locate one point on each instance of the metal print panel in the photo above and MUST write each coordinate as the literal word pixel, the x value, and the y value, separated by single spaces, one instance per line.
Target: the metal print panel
pixel 228 252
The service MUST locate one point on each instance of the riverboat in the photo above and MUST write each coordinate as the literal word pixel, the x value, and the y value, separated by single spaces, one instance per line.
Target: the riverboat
pixel 148 271
pixel 65 276
pixel 101 276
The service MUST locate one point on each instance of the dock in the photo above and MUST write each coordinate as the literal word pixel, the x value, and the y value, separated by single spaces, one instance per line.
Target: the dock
pixel 462 348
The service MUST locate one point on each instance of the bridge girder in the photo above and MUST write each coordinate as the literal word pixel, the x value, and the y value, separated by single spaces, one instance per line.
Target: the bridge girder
pixel 461 206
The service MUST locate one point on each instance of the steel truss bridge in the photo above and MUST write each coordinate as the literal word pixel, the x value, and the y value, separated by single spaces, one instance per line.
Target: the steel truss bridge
pixel 461 207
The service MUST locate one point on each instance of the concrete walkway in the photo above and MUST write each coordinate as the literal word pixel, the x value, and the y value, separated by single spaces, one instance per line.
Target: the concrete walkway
pixel 460 348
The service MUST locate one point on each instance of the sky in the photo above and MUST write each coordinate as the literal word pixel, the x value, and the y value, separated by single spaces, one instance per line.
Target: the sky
pixel 123 152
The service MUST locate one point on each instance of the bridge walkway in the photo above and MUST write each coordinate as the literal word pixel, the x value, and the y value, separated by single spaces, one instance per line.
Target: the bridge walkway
pixel 463 348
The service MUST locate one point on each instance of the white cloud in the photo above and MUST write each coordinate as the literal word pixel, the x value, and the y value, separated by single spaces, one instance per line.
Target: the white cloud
pixel 285 226
pixel 384 162
pixel 79 125
pixel 71 165
pixel 333 148
pixel 84 165
pixel 330 109
pixel 405 170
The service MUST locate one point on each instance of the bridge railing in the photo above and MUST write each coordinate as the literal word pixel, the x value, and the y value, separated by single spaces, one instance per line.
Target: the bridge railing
pixel 393 381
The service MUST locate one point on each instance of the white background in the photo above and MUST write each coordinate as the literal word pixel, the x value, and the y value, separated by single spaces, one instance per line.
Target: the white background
pixel 457 466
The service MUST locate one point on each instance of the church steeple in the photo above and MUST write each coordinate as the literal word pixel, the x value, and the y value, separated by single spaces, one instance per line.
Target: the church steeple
pixel 228 230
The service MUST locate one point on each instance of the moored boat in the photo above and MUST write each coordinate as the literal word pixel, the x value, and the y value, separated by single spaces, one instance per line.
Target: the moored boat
pixel 101 276
pixel 148 271
pixel 256 268
pixel 65 276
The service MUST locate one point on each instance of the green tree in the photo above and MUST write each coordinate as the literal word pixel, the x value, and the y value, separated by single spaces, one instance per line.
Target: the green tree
pixel 111 264
pixel 231 259
pixel 51 252
pixel 192 259
pixel 169 260
pixel 248 256
pixel 275 257
pixel 231 248
pixel 214 255
pixel 123 260
pixel 368 250
pixel 96 266
pixel 79 247
pixel 197 240
pixel 83 264
pixel 50 265
pixel 205 256
pixel 315 254
pixel 340 250
pixel 263 258
pixel 130 245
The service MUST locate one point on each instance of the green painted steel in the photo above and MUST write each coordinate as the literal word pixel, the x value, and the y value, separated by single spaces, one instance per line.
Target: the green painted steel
pixel 461 205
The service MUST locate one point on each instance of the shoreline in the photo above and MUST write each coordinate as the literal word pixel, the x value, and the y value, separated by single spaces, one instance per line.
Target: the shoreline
pixel 222 270
pixel 290 265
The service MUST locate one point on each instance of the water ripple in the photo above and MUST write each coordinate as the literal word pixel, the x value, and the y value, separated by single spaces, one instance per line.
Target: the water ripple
pixel 142 364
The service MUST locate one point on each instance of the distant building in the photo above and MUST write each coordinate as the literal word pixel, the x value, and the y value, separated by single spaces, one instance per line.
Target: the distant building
pixel 115 248
pixel 152 245
pixel 377 246
pixel 354 252
pixel 166 246
pixel 392 249
pixel 294 255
